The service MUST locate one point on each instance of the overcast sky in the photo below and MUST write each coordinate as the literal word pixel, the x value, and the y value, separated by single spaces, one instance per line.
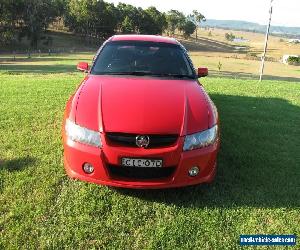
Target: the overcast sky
pixel 286 12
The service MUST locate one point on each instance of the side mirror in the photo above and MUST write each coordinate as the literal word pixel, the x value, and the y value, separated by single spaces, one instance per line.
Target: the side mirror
pixel 83 66
pixel 202 72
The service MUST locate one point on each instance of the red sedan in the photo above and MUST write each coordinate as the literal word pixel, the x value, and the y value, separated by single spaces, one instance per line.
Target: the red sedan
pixel 140 118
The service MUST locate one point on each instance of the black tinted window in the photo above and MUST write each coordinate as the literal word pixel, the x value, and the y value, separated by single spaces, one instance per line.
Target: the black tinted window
pixel 142 57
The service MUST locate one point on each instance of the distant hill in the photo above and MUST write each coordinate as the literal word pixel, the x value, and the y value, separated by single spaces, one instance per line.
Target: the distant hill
pixel 254 27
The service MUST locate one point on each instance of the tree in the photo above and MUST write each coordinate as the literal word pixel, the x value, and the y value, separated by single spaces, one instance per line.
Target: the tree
pixel 107 20
pixel 129 18
pixel 28 18
pixel 127 26
pixel 152 21
pixel 196 17
pixel 36 17
pixel 11 14
pixel 229 37
pixel 175 20
pixel 92 18
pixel 188 28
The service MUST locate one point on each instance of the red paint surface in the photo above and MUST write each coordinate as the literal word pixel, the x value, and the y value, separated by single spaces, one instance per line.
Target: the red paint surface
pixel 141 105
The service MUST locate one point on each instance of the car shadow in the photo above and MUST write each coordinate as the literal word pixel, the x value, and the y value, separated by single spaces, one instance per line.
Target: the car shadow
pixel 259 160
pixel 16 164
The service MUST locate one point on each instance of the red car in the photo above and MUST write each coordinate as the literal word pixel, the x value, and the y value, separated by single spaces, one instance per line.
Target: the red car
pixel 140 118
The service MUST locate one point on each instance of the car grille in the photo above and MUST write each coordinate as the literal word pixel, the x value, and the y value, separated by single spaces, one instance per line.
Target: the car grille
pixel 156 141
pixel 140 173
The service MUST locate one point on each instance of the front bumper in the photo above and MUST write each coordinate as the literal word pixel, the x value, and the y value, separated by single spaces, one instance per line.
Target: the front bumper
pixel 76 154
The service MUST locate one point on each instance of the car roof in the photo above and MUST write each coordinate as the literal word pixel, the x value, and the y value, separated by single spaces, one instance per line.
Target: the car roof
pixel 146 38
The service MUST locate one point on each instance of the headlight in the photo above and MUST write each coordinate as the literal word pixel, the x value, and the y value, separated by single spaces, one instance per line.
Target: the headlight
pixel 83 135
pixel 201 139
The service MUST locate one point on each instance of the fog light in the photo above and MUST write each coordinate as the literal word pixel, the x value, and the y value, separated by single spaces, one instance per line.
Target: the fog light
pixel 88 168
pixel 194 171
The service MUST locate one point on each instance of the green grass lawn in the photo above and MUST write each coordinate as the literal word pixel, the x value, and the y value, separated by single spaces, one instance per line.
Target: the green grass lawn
pixel 257 188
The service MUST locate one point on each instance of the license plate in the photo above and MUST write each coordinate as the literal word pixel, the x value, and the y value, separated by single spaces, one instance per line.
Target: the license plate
pixel 141 163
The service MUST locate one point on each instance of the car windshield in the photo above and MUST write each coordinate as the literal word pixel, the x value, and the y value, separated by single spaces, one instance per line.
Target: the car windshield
pixel 143 58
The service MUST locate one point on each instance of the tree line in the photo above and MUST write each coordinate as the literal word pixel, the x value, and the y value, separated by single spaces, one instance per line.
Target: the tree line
pixel 94 19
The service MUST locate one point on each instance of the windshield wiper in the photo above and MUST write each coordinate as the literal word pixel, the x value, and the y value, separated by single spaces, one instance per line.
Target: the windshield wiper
pixel 148 73
pixel 175 75
pixel 133 73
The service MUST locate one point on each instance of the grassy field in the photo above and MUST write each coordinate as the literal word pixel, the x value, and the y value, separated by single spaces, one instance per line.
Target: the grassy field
pixel 277 45
pixel 257 189
pixel 209 51
pixel 231 67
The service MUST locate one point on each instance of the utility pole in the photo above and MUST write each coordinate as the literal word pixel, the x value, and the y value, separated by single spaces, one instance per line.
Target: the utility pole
pixel 266 43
